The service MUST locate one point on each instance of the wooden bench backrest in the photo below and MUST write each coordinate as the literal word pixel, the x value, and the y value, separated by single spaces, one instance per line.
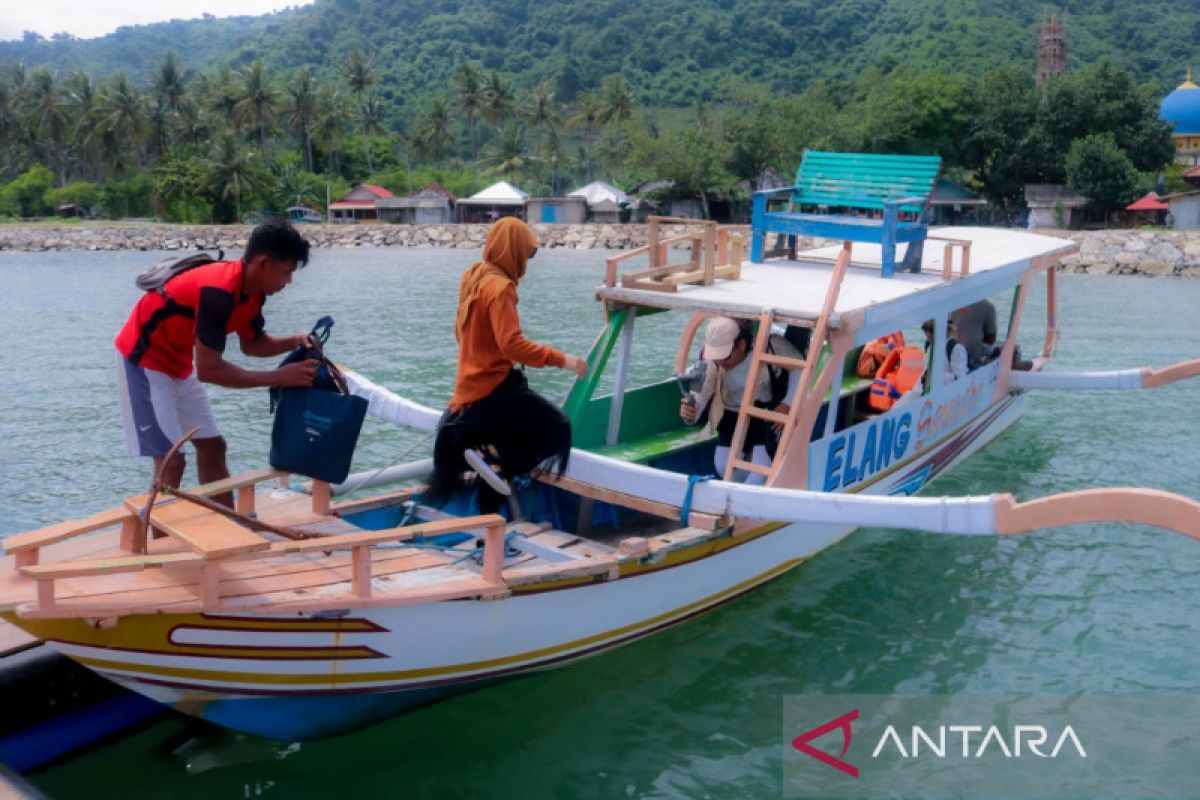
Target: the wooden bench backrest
pixel 865 180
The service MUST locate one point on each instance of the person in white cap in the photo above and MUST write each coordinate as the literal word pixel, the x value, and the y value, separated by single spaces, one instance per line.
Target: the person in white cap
pixel 727 346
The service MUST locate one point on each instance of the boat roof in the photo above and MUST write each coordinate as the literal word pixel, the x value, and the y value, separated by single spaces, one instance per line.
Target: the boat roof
pixel 796 289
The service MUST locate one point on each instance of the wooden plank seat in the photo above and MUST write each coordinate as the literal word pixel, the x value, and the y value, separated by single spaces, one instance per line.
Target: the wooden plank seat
pixel 861 182
pixel 25 546
pixel 205 532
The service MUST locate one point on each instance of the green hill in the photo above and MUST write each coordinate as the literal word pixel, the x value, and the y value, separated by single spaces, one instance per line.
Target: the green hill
pixel 671 52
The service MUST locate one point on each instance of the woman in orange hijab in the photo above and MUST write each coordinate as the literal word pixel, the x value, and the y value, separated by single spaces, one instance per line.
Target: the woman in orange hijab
pixel 493 410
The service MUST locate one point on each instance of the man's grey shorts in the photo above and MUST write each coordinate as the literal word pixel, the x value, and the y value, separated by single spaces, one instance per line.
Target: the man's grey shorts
pixel 157 409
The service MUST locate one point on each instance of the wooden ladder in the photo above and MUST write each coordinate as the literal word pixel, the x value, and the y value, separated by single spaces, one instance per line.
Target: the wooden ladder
pixel 759 358
pixel 807 366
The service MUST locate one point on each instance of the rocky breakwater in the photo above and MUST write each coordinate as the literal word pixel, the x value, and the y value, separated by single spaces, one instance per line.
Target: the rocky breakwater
pixel 150 236
pixel 1133 252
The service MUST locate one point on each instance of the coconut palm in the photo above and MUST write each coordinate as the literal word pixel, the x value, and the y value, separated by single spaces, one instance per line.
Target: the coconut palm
pixel 83 108
pixel 47 116
pixel 498 100
pixel 122 118
pixel 328 125
pixel 616 102
pixel 169 85
pixel 467 87
pixel 232 172
pixel 433 129
pixel 359 77
pixel 257 103
pixel 588 110
pixel 508 155
pixel 300 110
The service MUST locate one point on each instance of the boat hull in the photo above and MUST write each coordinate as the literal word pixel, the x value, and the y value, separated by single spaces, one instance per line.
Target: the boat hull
pixel 307 676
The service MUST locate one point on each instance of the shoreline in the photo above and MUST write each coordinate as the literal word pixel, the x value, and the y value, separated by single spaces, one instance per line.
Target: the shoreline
pixel 1103 252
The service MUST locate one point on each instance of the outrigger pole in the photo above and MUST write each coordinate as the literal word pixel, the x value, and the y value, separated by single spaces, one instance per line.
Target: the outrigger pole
pixel 986 515
pixel 1143 378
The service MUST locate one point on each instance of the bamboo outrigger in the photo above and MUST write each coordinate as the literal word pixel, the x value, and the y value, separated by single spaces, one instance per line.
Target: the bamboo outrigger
pixel 391 604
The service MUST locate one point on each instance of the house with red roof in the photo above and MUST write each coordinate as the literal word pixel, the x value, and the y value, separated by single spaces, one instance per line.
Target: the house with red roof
pixel 359 204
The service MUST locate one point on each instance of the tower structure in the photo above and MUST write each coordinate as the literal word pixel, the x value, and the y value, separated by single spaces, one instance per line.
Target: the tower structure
pixel 1052 48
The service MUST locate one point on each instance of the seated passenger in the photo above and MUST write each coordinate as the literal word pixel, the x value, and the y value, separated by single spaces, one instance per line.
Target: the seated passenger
pixel 727 346
pixel 975 326
pixel 956 354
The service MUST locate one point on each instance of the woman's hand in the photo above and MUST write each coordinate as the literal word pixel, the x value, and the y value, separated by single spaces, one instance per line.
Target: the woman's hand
pixel 577 365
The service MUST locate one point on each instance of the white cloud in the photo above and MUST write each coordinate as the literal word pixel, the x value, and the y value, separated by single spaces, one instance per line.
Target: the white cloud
pixel 97 17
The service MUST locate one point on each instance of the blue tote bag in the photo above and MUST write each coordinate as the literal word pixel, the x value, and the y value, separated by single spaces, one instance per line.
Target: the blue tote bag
pixel 316 428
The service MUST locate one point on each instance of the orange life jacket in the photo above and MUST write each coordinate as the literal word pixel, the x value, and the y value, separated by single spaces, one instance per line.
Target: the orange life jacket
pixel 874 353
pixel 901 371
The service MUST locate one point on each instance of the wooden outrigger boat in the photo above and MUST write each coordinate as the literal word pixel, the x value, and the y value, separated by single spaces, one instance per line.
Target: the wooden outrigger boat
pixel 392 604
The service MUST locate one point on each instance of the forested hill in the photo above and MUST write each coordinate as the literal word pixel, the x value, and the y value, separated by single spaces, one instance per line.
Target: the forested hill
pixel 671 52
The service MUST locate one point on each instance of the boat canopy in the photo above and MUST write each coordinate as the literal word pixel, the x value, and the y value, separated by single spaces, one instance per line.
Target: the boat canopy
pixel 796 288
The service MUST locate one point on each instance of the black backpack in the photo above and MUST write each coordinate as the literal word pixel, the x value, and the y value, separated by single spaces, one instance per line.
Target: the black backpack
pixel 154 278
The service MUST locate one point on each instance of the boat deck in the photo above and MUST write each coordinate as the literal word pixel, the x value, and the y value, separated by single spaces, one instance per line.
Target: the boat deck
pixel 796 288
pixel 96 576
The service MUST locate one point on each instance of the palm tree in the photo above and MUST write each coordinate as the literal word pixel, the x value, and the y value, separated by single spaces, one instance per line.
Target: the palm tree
pixel 83 107
pixel 47 116
pixel 169 86
pixel 122 116
pixel 359 77
pixel 588 110
pixel 433 129
pixel 221 94
pixel 467 86
pixel 300 108
pixel 328 125
pixel 257 103
pixel 498 99
pixel 8 124
pixel 231 172
pixel 543 117
pixel 508 155
pixel 616 102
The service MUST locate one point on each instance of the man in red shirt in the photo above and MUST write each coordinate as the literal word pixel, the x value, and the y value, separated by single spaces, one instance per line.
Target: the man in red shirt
pixel 192 314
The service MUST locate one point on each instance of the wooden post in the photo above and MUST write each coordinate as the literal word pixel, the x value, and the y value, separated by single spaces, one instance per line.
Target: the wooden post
pixel 947 262
pixel 610 273
pixel 245 500
pixel 722 246
pixel 45 593
pixel 360 571
pixel 320 498
pixel 736 251
pixel 966 260
pixel 26 558
pixel 652 241
pixel 697 246
pixel 710 253
pixel 129 531
pixel 210 586
pixel 493 554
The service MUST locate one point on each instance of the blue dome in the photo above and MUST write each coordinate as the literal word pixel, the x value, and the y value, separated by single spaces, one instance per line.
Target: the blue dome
pixel 1181 108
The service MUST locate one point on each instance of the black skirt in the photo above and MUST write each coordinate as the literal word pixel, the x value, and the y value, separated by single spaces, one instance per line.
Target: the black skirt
pixel 524 428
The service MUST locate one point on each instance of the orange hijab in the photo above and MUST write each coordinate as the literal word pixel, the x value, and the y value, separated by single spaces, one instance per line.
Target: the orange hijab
pixel 505 256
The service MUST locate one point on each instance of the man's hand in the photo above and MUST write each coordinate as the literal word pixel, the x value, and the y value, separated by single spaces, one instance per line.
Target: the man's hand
pixel 782 408
pixel 577 365
pixel 688 410
pixel 301 373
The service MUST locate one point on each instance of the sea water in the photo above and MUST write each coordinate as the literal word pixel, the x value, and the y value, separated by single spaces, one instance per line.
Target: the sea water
pixel 696 710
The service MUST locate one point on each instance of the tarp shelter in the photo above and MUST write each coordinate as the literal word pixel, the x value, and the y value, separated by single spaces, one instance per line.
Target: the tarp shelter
pixel 432 204
pixel 604 201
pixel 501 199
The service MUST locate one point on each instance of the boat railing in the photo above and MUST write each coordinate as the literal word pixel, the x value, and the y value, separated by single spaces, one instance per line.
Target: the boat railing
pixel 716 251
pixel 964 258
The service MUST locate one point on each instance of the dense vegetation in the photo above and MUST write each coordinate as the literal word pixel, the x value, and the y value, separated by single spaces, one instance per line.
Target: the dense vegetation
pixel 710 94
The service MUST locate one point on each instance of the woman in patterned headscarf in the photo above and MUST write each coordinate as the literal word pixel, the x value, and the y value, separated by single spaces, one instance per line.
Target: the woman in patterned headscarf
pixel 493 411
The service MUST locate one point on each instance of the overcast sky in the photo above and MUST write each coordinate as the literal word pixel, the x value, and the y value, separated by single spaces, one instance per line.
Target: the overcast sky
pixel 89 18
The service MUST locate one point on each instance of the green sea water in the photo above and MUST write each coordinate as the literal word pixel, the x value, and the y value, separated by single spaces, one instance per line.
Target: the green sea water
pixel 696 710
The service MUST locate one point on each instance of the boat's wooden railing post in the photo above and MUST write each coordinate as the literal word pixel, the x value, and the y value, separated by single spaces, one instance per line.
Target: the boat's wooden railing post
pixel 320 498
pixel 493 553
pixel 964 264
pixel 710 253
pixel 360 571
pixel 652 242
